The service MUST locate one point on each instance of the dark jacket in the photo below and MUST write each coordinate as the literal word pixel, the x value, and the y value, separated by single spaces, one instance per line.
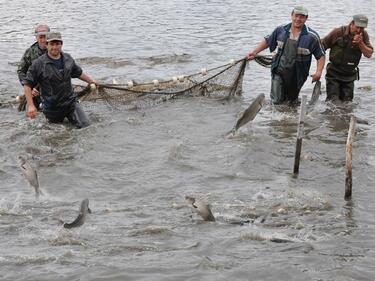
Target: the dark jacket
pixel 55 86
pixel 32 53
pixel 308 45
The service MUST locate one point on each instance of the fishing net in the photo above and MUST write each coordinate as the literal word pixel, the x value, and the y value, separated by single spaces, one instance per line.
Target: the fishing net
pixel 224 81
pixel 221 82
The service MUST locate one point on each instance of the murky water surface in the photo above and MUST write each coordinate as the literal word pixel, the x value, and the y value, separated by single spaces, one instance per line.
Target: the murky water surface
pixel 134 165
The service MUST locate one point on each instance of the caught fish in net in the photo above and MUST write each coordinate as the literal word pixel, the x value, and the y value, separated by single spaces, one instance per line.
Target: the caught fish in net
pixel 224 81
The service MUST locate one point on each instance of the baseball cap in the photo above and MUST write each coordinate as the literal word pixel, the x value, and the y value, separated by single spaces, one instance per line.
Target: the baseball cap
pixel 360 20
pixel 300 10
pixel 41 29
pixel 53 36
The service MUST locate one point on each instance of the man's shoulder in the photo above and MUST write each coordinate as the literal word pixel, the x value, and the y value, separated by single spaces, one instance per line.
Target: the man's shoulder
pixel 366 39
pixel 280 30
pixel 40 60
pixel 365 33
pixel 68 59
pixel 34 48
pixel 340 30
pixel 67 55
pixel 30 49
pixel 32 52
pixel 334 34
pixel 43 57
pixel 283 27
pixel 311 34
pixel 310 31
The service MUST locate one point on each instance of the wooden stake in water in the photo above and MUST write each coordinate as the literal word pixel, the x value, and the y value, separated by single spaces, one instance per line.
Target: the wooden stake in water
pixel 300 134
pixel 349 147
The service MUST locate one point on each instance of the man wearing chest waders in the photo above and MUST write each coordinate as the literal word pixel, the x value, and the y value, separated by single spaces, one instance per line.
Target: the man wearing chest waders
pixel 33 52
pixel 347 44
pixel 295 43
pixel 53 73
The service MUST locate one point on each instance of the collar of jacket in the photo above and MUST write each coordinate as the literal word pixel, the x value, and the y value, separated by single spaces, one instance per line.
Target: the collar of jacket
pixel 347 30
pixel 36 45
pixel 289 26
pixel 50 60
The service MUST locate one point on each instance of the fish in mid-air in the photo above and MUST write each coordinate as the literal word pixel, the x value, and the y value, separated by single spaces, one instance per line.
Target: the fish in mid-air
pixel 80 220
pixel 250 113
pixel 30 174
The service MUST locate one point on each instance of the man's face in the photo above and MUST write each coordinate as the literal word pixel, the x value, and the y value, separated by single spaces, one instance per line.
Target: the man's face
pixel 41 39
pixel 54 48
pixel 355 29
pixel 298 20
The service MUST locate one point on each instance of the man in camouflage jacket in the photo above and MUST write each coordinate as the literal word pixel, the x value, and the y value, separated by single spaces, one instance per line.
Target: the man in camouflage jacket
pixel 33 52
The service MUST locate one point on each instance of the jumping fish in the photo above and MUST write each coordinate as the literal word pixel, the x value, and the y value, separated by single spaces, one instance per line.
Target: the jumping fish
pixel 80 220
pixel 30 174
pixel 200 208
pixel 316 93
pixel 250 113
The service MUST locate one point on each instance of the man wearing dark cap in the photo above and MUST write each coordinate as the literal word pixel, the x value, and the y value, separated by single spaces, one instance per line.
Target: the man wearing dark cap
pixel 53 72
pixel 295 43
pixel 347 44
pixel 33 52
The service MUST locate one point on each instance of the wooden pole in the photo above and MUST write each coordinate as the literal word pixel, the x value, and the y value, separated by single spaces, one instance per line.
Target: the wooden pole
pixel 300 134
pixel 349 147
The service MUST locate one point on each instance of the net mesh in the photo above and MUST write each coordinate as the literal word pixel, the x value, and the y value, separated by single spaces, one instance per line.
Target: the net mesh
pixel 221 82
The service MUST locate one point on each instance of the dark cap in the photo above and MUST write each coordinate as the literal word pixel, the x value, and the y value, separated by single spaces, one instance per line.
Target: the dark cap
pixel 53 36
pixel 41 29
pixel 360 20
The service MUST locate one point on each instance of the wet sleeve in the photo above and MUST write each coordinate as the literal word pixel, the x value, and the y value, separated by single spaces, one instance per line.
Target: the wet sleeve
pixel 366 40
pixel 32 75
pixel 76 70
pixel 329 40
pixel 318 49
pixel 23 66
pixel 271 40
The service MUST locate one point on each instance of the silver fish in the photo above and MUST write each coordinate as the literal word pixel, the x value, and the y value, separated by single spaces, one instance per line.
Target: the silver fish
pixel 316 93
pixel 200 208
pixel 80 220
pixel 30 174
pixel 250 113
